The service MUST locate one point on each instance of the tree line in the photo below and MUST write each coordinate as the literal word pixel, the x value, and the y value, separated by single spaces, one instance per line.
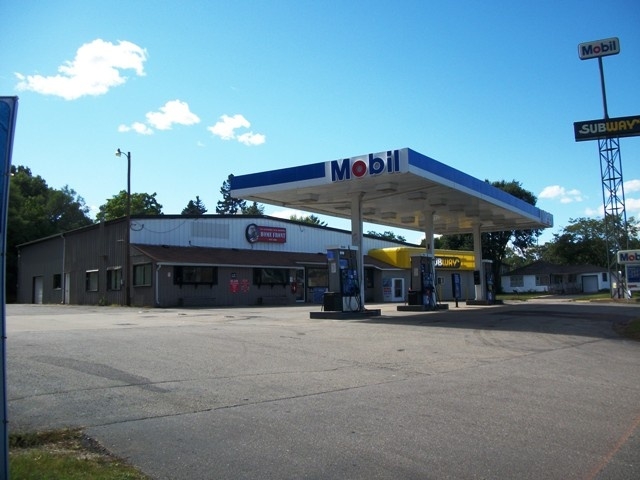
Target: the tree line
pixel 37 211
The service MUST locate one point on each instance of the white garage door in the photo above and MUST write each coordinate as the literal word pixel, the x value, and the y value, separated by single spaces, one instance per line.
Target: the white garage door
pixel 590 283
pixel 38 287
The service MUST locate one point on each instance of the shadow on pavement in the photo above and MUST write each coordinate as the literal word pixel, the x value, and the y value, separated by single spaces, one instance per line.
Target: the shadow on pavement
pixel 589 320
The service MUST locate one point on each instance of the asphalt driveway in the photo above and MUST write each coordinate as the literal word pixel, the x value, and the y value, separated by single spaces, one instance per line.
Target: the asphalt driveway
pixel 543 389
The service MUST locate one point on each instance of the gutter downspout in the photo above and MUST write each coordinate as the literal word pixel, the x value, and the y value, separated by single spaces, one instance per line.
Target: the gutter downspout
pixel 62 283
pixel 158 267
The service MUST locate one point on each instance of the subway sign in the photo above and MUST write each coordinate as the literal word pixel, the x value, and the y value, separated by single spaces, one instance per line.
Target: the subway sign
pixel 607 128
pixel 365 166
pixel 628 256
pixel 447 262
pixel 599 48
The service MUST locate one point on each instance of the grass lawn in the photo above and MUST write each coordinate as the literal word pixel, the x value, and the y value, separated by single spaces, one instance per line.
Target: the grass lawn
pixel 629 329
pixel 64 455
pixel 586 297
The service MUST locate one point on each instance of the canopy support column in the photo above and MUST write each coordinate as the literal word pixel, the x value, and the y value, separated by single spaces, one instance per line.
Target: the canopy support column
pixel 477 253
pixel 428 231
pixel 428 242
pixel 356 240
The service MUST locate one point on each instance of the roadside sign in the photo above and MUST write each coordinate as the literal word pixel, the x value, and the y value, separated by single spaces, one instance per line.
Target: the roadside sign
pixel 599 48
pixel 629 257
pixel 607 128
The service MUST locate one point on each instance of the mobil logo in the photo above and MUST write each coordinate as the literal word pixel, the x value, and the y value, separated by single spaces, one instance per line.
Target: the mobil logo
pixel 629 256
pixel 599 48
pixel 358 167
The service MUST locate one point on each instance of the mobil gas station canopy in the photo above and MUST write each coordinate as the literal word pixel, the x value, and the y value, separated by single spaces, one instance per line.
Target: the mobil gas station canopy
pixel 397 188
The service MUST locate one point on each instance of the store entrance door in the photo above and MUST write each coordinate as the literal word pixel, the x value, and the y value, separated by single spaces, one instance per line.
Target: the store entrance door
pixel 397 289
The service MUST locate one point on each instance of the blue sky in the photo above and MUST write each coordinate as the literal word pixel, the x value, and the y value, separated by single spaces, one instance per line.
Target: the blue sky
pixel 198 90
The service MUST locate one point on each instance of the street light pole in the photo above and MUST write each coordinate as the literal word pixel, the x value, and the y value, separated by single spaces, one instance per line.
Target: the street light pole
pixel 127 239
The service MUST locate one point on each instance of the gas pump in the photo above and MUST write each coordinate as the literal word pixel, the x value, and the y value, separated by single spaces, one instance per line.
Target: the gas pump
pixel 344 284
pixel 423 280
pixel 488 276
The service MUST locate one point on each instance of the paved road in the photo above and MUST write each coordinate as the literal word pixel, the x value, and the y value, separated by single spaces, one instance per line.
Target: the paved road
pixel 529 391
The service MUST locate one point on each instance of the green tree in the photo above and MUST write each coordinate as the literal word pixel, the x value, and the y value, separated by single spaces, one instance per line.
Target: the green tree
pixel 229 204
pixel 388 235
pixel 141 204
pixel 312 219
pixel 495 244
pixel 194 208
pixel 461 241
pixel 253 209
pixel 36 211
pixel 584 242
pixel 67 210
pixel 513 259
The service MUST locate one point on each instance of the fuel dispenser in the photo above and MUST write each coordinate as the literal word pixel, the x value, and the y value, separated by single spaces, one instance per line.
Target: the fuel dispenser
pixel 344 284
pixel 423 281
pixel 488 276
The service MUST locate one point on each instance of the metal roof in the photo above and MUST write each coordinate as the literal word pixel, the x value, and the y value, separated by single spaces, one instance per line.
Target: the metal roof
pixel 235 257
pixel 541 267
pixel 397 189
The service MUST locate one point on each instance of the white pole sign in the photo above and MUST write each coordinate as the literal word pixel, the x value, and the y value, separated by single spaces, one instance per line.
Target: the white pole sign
pixel 599 48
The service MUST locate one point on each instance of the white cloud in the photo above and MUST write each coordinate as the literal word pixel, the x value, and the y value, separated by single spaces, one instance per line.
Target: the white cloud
pixel 632 186
pixel 95 69
pixel 173 111
pixel 632 207
pixel 137 127
pixel 556 192
pixel 594 212
pixel 251 138
pixel 226 128
pixel 287 213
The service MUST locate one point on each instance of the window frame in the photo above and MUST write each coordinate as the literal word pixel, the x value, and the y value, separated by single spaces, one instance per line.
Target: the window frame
pixel 145 268
pixel 260 274
pixel 542 281
pixel 195 276
pixel 91 277
pixel 114 279
pixel 317 277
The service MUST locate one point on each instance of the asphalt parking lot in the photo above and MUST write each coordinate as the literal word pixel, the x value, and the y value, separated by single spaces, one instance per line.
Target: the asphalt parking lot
pixel 542 389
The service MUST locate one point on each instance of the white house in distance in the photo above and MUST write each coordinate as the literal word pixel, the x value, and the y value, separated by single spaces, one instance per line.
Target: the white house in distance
pixel 558 279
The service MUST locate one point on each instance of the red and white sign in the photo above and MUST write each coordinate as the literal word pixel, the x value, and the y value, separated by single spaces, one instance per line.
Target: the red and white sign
pixel 258 233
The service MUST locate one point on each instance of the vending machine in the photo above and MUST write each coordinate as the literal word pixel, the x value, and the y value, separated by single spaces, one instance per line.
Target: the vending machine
pixel 423 281
pixel 344 284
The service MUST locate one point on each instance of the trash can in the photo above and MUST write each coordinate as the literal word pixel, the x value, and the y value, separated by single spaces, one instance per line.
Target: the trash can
pixel 332 302
pixel 412 297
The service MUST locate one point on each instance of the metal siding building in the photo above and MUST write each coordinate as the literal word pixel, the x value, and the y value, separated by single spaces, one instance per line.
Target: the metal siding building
pixel 223 232
pixel 89 264
pixel 88 253
pixel 95 250
pixel 37 279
